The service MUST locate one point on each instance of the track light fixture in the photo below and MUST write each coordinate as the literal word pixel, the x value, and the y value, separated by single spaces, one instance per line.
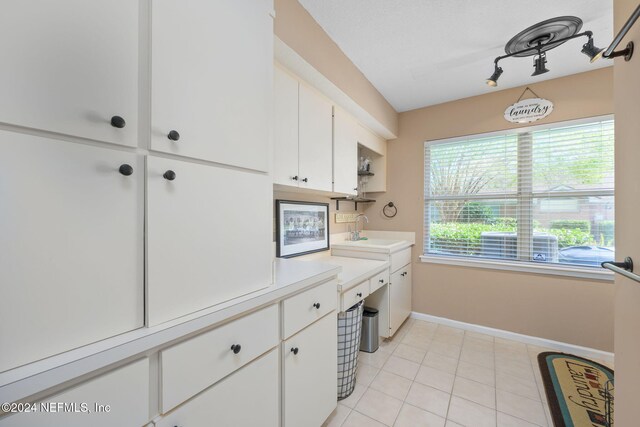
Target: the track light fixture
pixel 591 51
pixel 539 64
pixel 493 80
pixel 539 38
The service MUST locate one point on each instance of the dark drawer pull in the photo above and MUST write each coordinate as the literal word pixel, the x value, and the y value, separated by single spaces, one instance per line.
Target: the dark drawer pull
pixel 125 169
pixel 317 305
pixel 174 135
pixel 169 175
pixel 118 122
pixel 294 350
pixel 236 348
pixel 359 294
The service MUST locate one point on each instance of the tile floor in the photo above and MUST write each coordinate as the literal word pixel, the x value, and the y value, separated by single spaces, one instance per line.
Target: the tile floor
pixel 432 375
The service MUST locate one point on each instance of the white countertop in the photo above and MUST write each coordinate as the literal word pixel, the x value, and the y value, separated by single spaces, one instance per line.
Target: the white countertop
pixel 354 270
pixel 291 277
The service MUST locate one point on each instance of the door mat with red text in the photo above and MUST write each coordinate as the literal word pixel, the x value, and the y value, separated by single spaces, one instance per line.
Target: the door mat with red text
pixel 577 390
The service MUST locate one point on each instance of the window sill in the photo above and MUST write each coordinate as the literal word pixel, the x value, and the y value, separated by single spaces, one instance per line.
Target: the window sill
pixel 525 267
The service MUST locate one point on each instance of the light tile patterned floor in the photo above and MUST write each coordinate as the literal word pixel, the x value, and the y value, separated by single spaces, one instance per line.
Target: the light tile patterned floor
pixel 432 375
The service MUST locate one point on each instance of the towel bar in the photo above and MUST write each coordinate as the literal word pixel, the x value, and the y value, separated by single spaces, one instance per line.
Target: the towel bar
pixel 625 268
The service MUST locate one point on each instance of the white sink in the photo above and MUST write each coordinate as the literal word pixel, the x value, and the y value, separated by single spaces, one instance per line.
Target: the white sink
pixel 372 244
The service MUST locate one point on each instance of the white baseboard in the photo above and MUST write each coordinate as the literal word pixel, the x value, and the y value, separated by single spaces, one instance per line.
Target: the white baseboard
pixel 586 352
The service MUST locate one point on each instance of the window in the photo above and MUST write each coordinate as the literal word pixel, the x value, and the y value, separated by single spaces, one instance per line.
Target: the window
pixel 540 195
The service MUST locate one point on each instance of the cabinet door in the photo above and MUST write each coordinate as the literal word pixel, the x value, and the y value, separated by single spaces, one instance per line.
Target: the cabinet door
pixel 209 236
pixel 310 373
pixel 315 143
pixel 71 251
pixel 212 80
pixel 71 65
pixel 247 398
pixel 399 297
pixel 345 153
pixel 125 390
pixel 285 162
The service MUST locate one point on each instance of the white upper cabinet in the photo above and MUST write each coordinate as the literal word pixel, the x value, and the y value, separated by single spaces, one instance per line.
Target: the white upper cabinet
pixel 303 155
pixel 285 162
pixel 71 257
pixel 315 143
pixel 212 80
pixel 345 153
pixel 69 66
pixel 209 236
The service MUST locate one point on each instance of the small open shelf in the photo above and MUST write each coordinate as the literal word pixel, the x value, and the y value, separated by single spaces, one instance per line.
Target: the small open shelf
pixel 350 199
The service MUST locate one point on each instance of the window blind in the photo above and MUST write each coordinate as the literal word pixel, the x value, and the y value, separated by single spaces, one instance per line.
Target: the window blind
pixel 542 194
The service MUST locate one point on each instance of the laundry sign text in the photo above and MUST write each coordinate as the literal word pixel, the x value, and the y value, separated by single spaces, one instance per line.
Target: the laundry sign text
pixel 528 110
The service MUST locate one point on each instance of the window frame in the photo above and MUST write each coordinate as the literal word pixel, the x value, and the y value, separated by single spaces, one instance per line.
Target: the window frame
pixel 525 195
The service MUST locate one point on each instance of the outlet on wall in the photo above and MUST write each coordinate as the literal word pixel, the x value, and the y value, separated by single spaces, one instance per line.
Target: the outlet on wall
pixel 346 217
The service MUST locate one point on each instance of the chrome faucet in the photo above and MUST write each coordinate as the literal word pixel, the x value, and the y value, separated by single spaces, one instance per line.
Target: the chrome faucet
pixel 355 235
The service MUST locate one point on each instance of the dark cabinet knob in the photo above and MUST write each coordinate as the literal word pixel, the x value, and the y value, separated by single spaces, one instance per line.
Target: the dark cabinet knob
pixel 236 348
pixel 359 294
pixel 305 179
pixel 381 280
pixel 174 135
pixel 294 350
pixel 169 175
pixel 125 169
pixel 118 122
pixel 295 178
pixel 316 305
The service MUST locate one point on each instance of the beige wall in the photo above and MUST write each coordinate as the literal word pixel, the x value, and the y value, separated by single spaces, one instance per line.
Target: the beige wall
pixel 627 298
pixel 295 27
pixel 564 309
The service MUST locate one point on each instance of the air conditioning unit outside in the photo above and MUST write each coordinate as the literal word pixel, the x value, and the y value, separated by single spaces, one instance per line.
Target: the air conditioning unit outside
pixel 504 245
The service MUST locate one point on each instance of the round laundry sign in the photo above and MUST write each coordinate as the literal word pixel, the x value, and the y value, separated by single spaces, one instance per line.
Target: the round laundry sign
pixel 528 110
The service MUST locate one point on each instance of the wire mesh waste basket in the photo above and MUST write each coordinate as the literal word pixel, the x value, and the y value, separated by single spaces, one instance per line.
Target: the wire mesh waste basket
pixel 608 403
pixel 349 331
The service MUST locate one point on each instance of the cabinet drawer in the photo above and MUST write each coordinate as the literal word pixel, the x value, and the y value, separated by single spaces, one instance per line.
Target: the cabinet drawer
pixel 400 259
pixel 379 280
pixel 256 386
pixel 192 366
pixel 354 295
pixel 125 390
pixel 307 307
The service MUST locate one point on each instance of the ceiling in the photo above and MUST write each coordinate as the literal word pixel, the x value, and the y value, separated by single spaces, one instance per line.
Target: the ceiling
pixel 425 52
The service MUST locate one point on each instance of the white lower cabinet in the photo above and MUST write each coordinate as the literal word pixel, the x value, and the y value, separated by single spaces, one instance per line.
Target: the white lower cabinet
pixel 193 365
pixel 310 374
pixel 204 224
pixel 117 398
pixel 399 298
pixel 246 398
pixel 71 253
